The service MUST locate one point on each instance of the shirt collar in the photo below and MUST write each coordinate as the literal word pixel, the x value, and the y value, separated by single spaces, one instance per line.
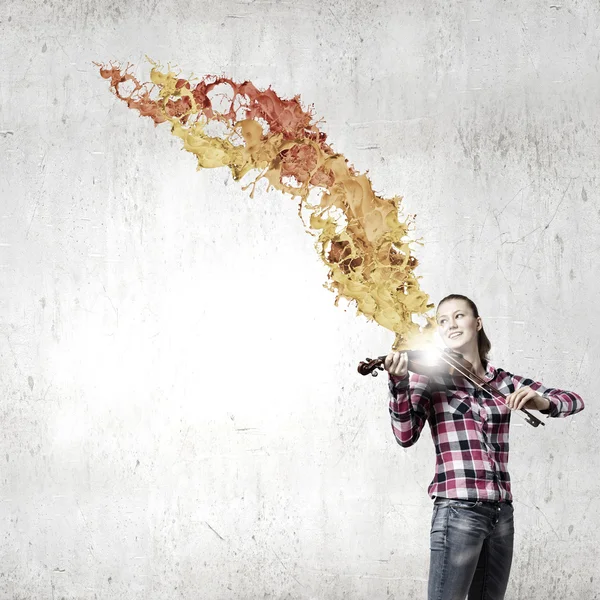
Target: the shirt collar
pixel 490 372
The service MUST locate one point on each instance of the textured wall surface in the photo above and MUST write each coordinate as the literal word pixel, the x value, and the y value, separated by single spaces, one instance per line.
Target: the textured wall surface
pixel 181 414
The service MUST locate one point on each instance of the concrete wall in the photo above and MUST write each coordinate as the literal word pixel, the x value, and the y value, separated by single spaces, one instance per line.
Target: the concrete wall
pixel 181 415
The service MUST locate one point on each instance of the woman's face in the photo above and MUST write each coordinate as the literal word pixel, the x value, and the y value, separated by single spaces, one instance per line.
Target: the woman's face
pixel 457 325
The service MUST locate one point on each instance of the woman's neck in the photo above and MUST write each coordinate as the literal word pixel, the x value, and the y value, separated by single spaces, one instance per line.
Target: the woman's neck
pixel 473 357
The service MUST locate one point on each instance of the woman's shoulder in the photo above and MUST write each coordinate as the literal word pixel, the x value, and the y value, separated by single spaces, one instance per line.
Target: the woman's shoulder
pixel 498 375
pixel 493 371
pixel 500 378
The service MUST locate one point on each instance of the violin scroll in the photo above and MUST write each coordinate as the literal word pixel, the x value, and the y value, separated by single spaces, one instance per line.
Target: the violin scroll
pixel 371 366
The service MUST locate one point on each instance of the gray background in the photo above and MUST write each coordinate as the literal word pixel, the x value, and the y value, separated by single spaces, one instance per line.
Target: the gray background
pixel 181 415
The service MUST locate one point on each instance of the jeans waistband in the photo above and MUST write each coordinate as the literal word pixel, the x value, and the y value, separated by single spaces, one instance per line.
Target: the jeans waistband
pixel 440 499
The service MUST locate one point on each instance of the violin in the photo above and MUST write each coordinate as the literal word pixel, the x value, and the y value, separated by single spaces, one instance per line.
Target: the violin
pixel 446 363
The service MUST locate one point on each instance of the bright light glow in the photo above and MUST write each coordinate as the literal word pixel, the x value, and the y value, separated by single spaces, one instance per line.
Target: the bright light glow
pixel 431 356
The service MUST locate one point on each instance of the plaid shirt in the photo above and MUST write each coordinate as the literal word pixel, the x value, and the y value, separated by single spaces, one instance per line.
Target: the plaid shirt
pixel 469 428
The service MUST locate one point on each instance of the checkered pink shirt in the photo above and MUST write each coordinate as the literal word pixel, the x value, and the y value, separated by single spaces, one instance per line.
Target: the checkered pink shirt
pixel 469 428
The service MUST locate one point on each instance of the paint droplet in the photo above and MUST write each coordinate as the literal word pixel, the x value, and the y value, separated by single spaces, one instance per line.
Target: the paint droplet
pixel 30 382
pixel 583 194
pixel 570 529
pixel 43 302
pixel 44 47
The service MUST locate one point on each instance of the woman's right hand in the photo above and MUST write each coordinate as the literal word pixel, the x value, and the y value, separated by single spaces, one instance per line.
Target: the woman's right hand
pixel 396 363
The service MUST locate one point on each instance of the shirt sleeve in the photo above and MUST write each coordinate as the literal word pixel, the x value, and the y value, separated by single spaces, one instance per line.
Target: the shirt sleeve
pixel 562 402
pixel 410 406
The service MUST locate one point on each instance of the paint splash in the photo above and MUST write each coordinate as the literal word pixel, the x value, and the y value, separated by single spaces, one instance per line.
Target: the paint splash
pixel 359 236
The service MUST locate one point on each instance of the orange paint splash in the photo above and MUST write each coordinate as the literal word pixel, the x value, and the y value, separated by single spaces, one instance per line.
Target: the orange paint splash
pixel 359 236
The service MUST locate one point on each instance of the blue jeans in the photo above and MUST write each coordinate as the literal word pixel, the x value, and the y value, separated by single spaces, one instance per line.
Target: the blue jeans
pixel 471 550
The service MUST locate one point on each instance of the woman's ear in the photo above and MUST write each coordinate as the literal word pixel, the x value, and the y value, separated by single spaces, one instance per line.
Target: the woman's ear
pixel 479 324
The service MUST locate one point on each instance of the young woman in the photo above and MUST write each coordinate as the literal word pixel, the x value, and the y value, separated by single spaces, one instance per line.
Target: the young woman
pixel 471 539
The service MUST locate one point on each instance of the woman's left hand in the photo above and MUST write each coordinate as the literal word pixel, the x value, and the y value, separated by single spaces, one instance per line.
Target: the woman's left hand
pixel 525 397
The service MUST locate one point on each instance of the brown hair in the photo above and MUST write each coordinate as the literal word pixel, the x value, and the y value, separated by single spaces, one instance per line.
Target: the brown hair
pixel 483 343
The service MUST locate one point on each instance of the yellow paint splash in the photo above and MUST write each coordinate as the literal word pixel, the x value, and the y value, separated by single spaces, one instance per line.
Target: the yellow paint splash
pixel 359 236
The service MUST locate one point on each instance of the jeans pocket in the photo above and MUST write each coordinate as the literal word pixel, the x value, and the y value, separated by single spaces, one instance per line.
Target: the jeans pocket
pixel 466 504
pixel 435 512
pixel 439 526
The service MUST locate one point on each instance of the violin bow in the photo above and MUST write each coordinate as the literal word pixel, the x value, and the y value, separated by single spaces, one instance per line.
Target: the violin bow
pixel 486 387
pixel 372 365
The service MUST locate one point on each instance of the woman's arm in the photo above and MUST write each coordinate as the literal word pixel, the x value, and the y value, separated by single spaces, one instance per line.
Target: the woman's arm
pixel 550 401
pixel 410 406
